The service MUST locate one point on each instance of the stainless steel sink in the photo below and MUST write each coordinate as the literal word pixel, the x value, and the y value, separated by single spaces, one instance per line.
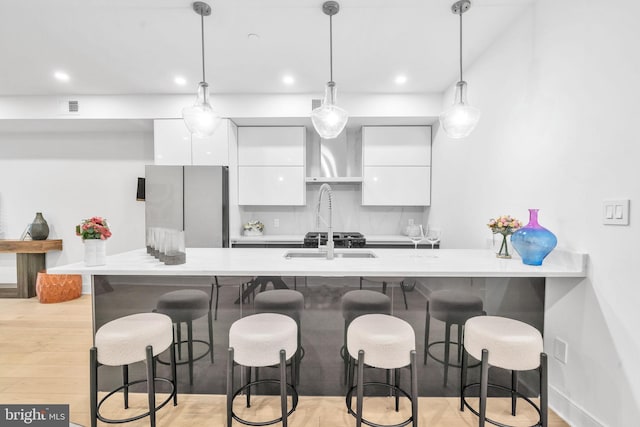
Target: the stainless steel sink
pixel 348 253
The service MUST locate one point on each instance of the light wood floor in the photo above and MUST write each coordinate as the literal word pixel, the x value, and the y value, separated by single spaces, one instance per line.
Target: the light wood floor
pixel 44 359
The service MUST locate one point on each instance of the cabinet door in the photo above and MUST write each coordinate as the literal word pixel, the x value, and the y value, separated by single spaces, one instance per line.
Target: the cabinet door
pixel 394 186
pixel 171 142
pixel 271 185
pixel 174 145
pixel 396 145
pixel 271 146
pixel 212 150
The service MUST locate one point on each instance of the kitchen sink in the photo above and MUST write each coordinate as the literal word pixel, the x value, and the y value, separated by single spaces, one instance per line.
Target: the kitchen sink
pixel 348 253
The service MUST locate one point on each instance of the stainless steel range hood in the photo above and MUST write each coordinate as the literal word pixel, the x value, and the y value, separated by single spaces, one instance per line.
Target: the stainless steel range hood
pixel 334 160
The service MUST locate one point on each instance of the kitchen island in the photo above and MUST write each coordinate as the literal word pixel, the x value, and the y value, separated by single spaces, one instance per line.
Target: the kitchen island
pixel 132 282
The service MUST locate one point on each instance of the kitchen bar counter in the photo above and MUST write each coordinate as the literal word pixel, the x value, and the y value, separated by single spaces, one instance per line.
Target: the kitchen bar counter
pixel 389 262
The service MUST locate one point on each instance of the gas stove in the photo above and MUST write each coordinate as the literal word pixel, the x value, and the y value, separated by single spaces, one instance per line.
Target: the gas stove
pixel 340 239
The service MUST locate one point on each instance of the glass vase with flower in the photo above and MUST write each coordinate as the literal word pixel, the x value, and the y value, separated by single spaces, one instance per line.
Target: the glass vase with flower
pixel 504 225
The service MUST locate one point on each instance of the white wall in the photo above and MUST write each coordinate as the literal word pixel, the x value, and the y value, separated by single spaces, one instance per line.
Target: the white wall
pixel 69 176
pixel 558 94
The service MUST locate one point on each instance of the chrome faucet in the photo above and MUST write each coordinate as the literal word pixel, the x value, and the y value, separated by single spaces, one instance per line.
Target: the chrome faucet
pixel 325 188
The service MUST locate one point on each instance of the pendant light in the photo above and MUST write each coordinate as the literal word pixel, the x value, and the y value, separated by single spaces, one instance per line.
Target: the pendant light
pixel 459 120
pixel 200 118
pixel 329 119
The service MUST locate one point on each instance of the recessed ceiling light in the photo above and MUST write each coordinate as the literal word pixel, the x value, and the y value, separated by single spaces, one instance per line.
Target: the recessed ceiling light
pixel 61 76
pixel 401 79
pixel 288 79
pixel 253 36
pixel 180 81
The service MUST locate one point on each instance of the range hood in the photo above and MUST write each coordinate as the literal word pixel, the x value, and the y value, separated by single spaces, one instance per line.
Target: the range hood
pixel 334 160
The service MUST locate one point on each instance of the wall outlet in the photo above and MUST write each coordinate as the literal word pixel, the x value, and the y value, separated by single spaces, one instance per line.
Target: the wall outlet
pixel 560 349
pixel 276 223
pixel 410 221
pixel 615 212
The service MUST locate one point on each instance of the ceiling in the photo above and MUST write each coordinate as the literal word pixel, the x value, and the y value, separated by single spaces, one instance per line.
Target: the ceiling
pixel 139 46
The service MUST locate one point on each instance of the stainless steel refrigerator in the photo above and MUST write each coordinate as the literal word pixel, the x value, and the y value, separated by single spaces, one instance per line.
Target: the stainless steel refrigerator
pixel 190 198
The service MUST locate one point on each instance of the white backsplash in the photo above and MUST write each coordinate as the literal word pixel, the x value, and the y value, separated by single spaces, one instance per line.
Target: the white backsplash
pixel 348 214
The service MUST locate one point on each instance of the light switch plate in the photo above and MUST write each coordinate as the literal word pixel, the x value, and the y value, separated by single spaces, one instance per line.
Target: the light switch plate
pixel 615 212
pixel 560 350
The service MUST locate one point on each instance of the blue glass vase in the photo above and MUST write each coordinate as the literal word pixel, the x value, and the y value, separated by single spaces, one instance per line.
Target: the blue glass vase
pixel 533 242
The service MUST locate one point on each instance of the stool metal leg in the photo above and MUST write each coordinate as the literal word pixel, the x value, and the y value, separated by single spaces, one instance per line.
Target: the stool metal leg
pixel 427 324
pixel 460 342
pixel 414 389
pixel 514 390
pixel 447 346
pixel 179 338
pixel 229 386
pixel 283 387
pixel 247 371
pixel 350 379
pixel 463 378
pixel 210 324
pixel 93 385
pixel 151 387
pixel 404 295
pixel 360 389
pixel 396 382
pixel 125 382
pixel 484 380
pixel 190 349
pixel 544 386
pixel 217 286
pixel 174 373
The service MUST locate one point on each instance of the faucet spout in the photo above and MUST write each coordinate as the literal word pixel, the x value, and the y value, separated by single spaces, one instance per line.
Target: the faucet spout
pixel 326 189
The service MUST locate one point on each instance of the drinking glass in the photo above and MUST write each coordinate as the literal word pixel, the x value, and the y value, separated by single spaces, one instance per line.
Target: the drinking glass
pixel 416 234
pixel 433 236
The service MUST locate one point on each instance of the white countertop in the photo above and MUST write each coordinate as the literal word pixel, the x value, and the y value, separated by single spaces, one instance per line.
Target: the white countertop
pixel 389 262
pixel 298 238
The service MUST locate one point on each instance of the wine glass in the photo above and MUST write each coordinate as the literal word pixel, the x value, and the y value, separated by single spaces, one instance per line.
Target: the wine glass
pixel 416 234
pixel 433 236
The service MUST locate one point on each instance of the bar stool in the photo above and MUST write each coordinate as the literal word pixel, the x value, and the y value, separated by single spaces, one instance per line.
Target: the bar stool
pixel 130 339
pixel 185 306
pixel 385 342
pixel 358 303
pixel 507 344
pixel 219 281
pixel 261 340
pixel 289 303
pixel 452 308
pixel 388 281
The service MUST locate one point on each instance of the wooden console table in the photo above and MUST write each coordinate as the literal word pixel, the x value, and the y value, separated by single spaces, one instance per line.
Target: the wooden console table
pixel 30 258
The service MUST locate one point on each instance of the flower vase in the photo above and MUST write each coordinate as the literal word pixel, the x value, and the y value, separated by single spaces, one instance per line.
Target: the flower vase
pixel 533 242
pixel 39 228
pixel 504 248
pixel 95 252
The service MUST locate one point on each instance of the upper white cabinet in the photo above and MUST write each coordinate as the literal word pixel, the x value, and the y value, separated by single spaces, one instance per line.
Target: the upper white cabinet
pixel 174 145
pixel 271 167
pixel 396 165
pixel 271 146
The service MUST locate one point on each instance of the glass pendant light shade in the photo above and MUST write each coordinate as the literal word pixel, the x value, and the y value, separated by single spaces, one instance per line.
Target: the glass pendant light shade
pixel 200 118
pixel 329 119
pixel 459 120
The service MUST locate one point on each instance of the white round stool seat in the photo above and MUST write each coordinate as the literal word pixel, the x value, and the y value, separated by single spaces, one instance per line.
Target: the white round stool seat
pixel 124 341
pixel 512 344
pixel 257 339
pixel 387 341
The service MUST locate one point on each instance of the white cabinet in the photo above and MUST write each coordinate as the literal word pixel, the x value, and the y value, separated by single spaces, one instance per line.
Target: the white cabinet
pixel 271 167
pixel 174 145
pixel 396 163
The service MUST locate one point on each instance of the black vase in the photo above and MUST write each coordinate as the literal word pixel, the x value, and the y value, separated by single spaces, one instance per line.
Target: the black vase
pixel 39 228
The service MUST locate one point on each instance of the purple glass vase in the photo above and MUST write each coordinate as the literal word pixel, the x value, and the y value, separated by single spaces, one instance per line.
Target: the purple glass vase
pixel 533 242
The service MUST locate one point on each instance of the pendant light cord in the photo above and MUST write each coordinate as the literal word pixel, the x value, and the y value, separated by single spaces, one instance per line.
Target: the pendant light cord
pixel 331 48
pixel 460 43
pixel 202 39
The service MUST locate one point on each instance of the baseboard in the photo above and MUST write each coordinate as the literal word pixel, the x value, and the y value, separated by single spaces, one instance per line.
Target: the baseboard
pixel 571 412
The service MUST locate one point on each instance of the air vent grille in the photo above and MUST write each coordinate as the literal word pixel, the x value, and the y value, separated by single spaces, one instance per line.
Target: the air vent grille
pixel 315 103
pixel 74 107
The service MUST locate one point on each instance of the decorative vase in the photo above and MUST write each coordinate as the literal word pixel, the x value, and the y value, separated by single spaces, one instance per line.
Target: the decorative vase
pixel 95 252
pixel 39 228
pixel 533 242
pixel 504 248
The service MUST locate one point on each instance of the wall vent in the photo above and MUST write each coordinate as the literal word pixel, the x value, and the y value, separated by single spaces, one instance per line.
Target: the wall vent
pixel 315 103
pixel 74 106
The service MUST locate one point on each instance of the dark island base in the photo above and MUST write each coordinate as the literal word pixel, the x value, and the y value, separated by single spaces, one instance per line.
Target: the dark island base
pixel 322 328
